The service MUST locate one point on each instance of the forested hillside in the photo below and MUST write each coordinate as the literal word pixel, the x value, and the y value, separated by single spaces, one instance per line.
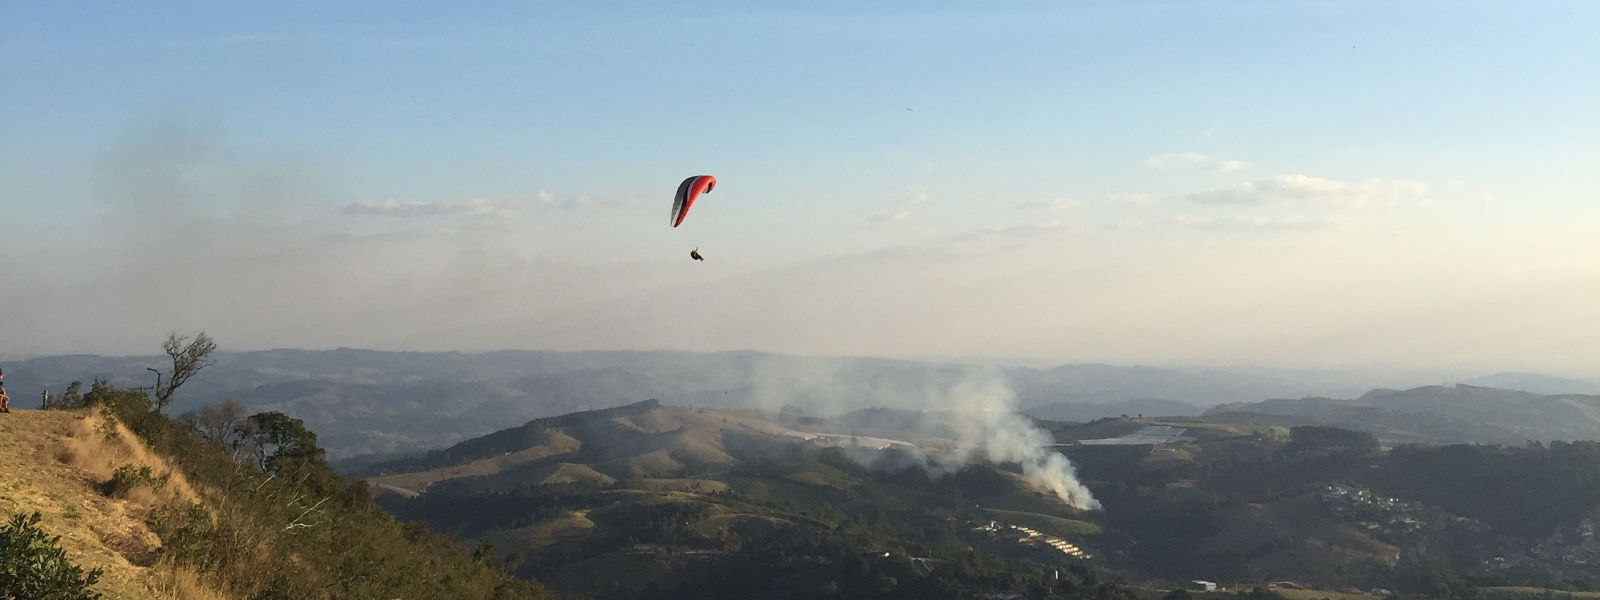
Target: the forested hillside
pixel 703 503
pixel 718 503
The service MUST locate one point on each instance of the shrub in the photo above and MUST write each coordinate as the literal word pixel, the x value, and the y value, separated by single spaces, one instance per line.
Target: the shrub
pixel 33 565
pixel 127 478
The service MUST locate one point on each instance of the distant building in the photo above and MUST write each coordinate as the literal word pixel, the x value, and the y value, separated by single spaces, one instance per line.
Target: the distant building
pixel 1203 585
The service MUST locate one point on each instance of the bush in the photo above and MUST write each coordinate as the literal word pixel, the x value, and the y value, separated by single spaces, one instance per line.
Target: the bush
pixel 126 478
pixel 33 566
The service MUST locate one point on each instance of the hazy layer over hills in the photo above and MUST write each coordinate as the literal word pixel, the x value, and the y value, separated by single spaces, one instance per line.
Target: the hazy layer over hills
pixel 362 402
pixel 1436 414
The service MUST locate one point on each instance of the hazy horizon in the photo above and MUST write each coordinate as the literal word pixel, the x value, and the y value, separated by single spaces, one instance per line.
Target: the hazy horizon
pixel 1359 378
pixel 1405 187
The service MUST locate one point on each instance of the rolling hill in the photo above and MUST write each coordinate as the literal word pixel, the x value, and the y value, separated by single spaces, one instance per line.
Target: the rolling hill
pixel 364 402
pixel 675 492
pixel 684 494
pixel 1436 414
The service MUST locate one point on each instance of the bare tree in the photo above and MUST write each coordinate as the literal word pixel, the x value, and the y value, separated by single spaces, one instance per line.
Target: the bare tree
pixel 188 358
pixel 222 423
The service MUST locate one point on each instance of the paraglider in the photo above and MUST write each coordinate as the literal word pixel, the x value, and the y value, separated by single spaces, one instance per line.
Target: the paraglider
pixel 688 192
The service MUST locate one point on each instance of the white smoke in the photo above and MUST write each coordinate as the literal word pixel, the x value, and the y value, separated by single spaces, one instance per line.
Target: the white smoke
pixel 973 406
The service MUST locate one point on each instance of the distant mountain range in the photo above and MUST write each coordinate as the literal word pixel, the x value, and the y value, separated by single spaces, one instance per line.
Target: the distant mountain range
pixel 1436 414
pixel 368 402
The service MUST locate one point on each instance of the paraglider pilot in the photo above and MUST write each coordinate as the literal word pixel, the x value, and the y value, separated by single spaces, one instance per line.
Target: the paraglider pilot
pixel 695 253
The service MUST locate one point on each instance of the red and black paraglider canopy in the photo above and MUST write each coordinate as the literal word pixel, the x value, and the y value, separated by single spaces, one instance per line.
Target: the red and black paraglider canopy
pixel 688 192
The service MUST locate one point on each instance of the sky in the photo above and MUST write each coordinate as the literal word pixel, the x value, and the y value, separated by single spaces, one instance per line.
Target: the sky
pixel 1409 185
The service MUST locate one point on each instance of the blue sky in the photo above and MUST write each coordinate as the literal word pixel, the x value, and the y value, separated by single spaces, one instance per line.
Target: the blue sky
pixel 1407 185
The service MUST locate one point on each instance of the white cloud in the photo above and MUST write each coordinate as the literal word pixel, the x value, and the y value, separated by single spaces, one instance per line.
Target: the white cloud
pixel 476 207
pixel 911 198
pixel 580 201
pixel 1010 233
pixel 1286 188
pixel 1254 224
pixel 889 217
pixel 914 196
pixel 1193 160
pixel 1135 200
pixel 1056 203
pixel 480 207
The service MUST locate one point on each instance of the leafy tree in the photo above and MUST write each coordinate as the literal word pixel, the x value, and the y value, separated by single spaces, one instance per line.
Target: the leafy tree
pixel 132 401
pixel 279 440
pixel 70 399
pixel 33 566
pixel 1321 440
pixel 100 394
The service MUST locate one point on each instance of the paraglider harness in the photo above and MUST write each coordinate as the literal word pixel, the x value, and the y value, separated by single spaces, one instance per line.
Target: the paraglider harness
pixel 695 253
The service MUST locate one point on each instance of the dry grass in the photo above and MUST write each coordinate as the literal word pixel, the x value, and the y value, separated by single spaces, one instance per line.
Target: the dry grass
pixel 182 583
pixel 573 525
pixel 98 446
pixel 1530 593
pixel 659 464
pixel 660 443
pixel 701 486
pixel 575 473
pixel 55 462
pixel 413 483
pixel 1309 594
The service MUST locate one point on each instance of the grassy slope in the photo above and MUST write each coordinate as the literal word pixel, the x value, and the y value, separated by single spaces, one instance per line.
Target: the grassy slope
pixel 1530 593
pixel 683 456
pixel 411 483
pixel 52 462
pixel 658 443
pixel 1048 524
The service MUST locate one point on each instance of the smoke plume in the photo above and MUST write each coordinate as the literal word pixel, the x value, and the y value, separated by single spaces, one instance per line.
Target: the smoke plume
pixel 972 406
